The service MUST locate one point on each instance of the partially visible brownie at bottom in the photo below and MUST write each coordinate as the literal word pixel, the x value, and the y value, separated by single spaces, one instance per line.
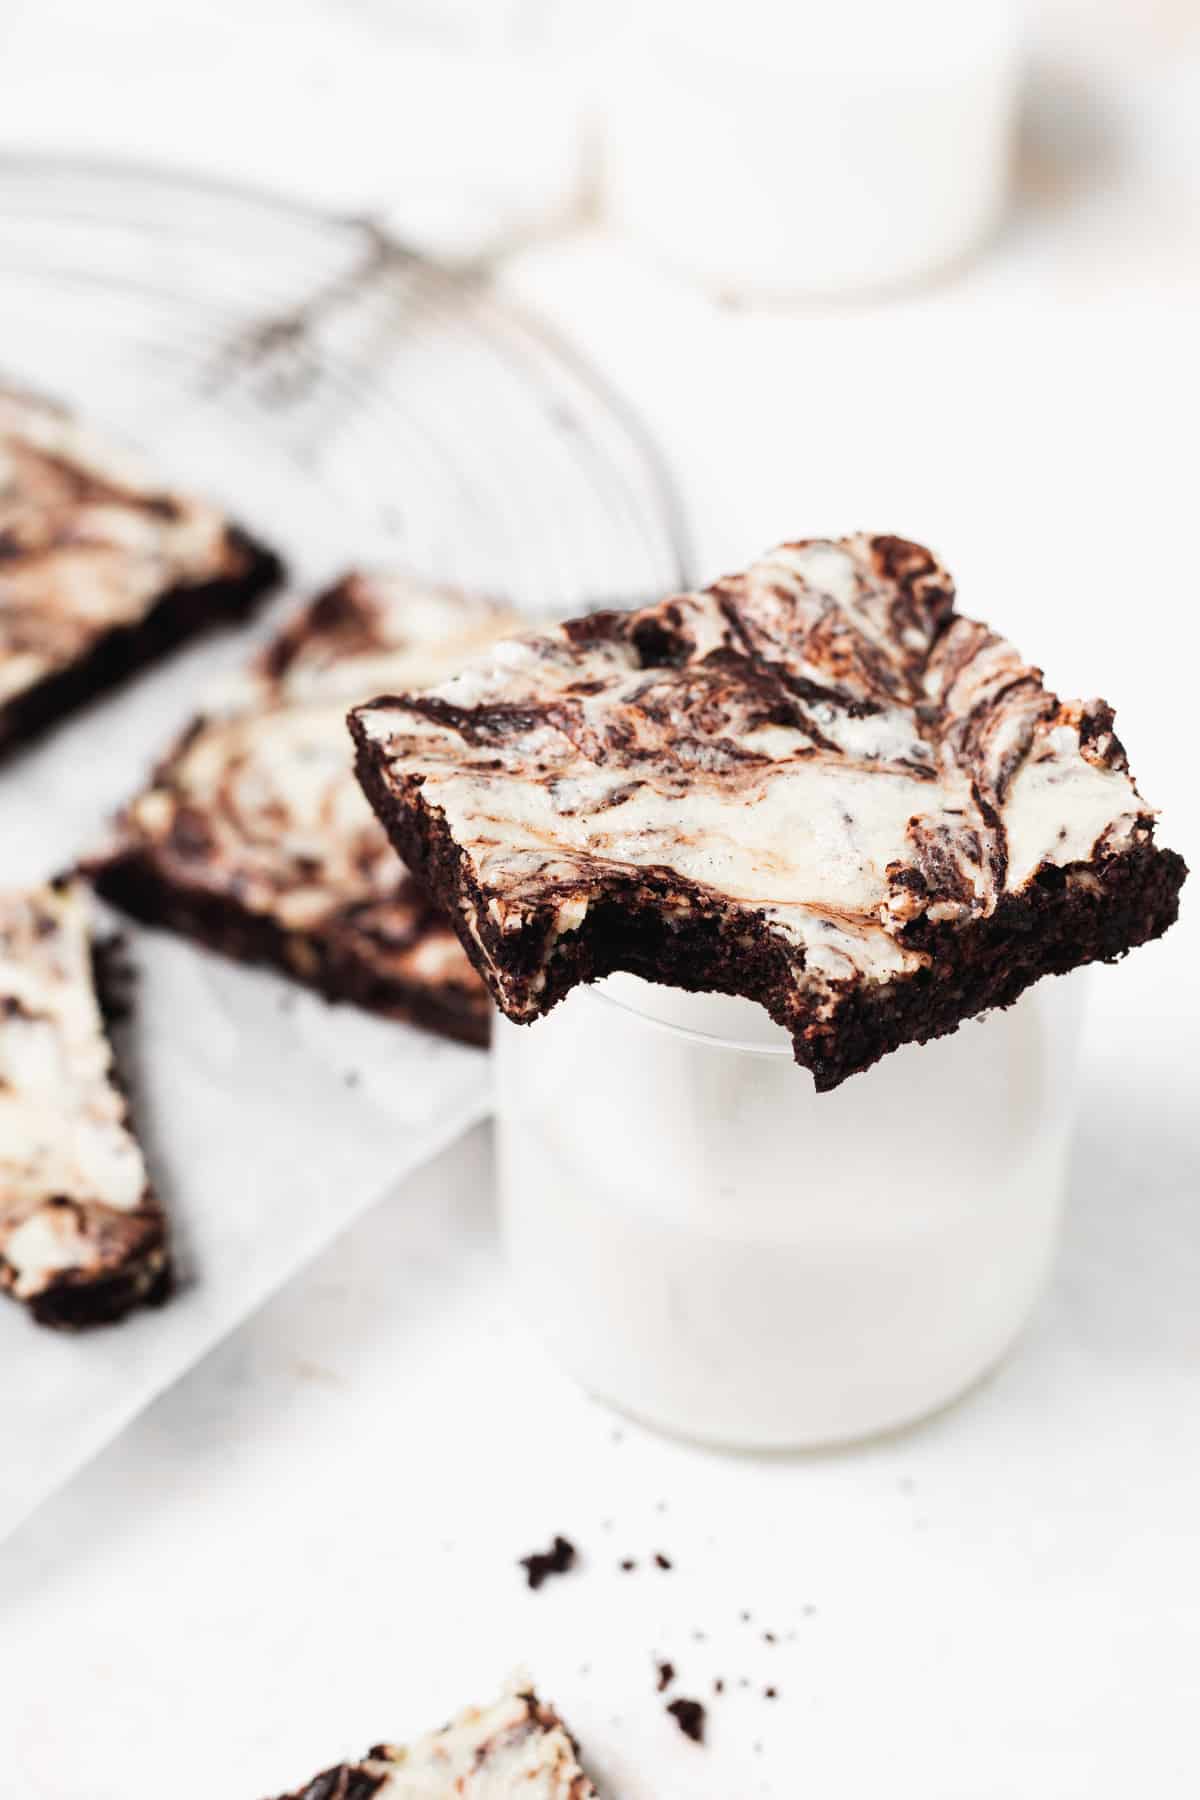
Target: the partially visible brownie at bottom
pixel 253 835
pixel 815 785
pixel 103 569
pixel 82 1235
pixel 518 1748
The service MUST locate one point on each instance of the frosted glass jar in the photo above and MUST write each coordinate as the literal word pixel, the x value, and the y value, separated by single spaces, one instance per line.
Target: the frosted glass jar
pixel 705 1242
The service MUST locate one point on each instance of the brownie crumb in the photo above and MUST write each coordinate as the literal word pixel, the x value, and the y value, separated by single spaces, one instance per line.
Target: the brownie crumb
pixel 718 1686
pixel 663 1562
pixel 666 1675
pixel 689 1716
pixel 769 1637
pixel 627 1564
pixel 771 1693
pixel 560 1557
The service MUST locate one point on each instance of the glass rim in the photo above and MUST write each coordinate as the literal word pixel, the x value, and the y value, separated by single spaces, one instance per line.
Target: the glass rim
pixel 714 1040
pixel 709 1040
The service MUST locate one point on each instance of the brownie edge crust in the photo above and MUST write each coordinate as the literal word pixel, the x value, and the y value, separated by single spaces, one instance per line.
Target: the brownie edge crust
pixel 180 613
pixel 814 785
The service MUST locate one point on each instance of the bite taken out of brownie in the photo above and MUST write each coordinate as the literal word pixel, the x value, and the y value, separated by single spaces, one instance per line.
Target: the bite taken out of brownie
pixel 815 784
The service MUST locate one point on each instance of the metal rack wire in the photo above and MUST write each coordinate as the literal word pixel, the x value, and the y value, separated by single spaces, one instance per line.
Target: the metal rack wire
pixel 335 386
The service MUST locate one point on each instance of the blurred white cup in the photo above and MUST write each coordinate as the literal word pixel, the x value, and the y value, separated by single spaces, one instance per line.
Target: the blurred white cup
pixel 811 149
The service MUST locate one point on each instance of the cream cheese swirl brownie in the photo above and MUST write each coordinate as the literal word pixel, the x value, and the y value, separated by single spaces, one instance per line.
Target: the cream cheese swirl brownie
pixel 518 1749
pixel 101 567
pixel 813 784
pixel 255 838
pixel 82 1238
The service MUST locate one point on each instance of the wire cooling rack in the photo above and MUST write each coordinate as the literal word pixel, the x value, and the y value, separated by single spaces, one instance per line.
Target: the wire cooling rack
pixel 340 391
pixel 353 403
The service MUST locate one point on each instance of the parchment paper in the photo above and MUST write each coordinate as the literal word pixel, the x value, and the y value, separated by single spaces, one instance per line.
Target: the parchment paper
pixel 270 1118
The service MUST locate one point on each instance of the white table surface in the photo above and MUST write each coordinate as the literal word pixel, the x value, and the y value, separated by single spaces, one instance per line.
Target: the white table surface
pixel 309 1543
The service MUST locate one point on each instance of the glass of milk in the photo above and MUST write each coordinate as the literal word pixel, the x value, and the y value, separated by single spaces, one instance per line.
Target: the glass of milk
pixel 708 1244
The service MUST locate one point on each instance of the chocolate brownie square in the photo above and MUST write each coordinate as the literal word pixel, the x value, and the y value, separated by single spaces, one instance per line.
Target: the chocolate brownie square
pixel 102 568
pixel 254 837
pixel 82 1236
pixel 815 785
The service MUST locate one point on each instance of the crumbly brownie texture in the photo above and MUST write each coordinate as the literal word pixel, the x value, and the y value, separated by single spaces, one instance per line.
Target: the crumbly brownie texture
pixel 82 1237
pixel 518 1748
pixel 255 837
pixel 101 569
pixel 814 784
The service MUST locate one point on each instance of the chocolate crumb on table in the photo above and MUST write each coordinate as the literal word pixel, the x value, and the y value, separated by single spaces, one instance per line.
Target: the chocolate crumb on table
pixel 661 1561
pixel 253 835
pixel 518 1747
pixel 815 785
pixel 665 1676
pixel 102 569
pixel 561 1557
pixel 690 1717
pixel 82 1235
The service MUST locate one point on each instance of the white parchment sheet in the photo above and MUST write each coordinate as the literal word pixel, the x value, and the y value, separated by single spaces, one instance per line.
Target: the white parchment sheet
pixel 270 1118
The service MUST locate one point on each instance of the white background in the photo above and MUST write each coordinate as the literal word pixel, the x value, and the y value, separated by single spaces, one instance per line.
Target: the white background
pixel 309 1543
